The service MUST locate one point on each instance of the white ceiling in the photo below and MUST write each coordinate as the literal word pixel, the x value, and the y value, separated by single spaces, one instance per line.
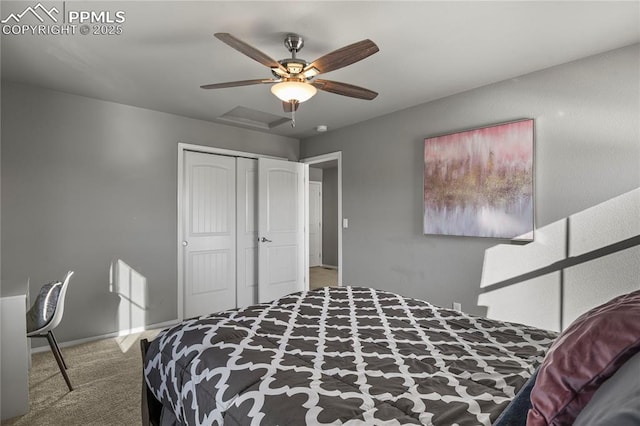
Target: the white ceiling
pixel 428 50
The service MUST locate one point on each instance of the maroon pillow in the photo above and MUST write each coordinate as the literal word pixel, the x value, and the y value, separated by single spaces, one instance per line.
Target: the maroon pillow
pixel 586 354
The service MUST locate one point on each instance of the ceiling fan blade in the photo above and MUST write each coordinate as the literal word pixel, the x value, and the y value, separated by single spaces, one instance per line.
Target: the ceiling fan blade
pixel 344 56
pixel 345 89
pixel 250 51
pixel 239 83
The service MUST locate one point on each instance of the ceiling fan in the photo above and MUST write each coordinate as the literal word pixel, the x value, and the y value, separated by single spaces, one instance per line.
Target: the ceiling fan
pixel 294 77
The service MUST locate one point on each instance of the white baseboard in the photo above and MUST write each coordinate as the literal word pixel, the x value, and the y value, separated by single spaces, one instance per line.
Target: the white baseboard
pixel 330 267
pixel 108 335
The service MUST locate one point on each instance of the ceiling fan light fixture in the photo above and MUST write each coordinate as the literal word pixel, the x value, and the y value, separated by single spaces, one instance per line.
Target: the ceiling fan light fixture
pixel 293 90
pixel 279 72
pixel 310 72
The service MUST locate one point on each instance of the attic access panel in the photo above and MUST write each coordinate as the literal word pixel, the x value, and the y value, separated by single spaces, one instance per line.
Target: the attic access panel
pixel 253 118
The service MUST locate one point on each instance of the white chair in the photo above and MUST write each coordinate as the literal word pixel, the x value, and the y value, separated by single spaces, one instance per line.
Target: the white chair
pixel 46 314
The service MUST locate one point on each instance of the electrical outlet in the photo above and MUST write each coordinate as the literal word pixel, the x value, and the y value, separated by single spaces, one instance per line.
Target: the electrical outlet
pixel 457 306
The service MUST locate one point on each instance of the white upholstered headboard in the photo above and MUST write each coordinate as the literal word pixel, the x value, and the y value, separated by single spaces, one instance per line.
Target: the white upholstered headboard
pixel 571 266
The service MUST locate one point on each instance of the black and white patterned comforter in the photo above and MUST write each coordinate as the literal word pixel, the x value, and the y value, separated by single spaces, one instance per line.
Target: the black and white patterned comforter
pixel 346 355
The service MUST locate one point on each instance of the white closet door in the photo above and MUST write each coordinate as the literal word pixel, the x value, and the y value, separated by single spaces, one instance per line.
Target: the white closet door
pixel 210 233
pixel 247 232
pixel 315 224
pixel 281 227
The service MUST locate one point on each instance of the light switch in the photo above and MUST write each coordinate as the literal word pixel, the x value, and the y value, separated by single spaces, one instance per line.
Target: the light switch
pixel 345 223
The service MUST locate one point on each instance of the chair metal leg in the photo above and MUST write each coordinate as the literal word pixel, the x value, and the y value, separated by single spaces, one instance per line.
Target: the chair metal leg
pixel 58 358
pixel 58 348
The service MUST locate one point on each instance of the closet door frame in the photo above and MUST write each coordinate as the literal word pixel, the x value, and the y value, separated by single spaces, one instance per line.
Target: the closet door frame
pixel 182 148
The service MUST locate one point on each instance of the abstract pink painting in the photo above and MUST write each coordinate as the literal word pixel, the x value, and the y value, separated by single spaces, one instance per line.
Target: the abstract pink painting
pixel 480 182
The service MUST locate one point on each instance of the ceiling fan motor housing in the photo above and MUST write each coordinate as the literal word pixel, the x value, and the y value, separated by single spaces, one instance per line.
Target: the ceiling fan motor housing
pixel 293 65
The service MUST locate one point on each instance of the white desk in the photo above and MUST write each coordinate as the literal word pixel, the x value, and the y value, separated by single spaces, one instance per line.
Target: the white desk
pixel 14 356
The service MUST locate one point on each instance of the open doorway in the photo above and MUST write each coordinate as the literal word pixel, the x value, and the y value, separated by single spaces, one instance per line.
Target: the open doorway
pixel 325 218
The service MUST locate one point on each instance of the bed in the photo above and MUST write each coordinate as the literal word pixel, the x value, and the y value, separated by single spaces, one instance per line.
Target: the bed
pixel 345 355
pixel 361 356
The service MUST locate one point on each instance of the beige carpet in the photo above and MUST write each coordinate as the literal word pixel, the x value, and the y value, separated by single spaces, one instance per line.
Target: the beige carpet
pixel 322 277
pixel 106 376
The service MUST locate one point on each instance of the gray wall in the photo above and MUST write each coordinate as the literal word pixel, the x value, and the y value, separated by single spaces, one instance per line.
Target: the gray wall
pixel 86 182
pixel 330 217
pixel 587 151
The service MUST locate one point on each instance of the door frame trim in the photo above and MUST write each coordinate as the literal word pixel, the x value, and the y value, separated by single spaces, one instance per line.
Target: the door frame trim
pixel 182 147
pixel 323 158
pixel 320 219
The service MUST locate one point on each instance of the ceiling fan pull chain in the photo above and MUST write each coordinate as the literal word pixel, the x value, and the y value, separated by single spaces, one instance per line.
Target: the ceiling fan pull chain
pixel 293 117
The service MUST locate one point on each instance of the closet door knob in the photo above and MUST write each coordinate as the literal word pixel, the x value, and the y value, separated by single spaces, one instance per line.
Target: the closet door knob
pixel 185 243
pixel 265 240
